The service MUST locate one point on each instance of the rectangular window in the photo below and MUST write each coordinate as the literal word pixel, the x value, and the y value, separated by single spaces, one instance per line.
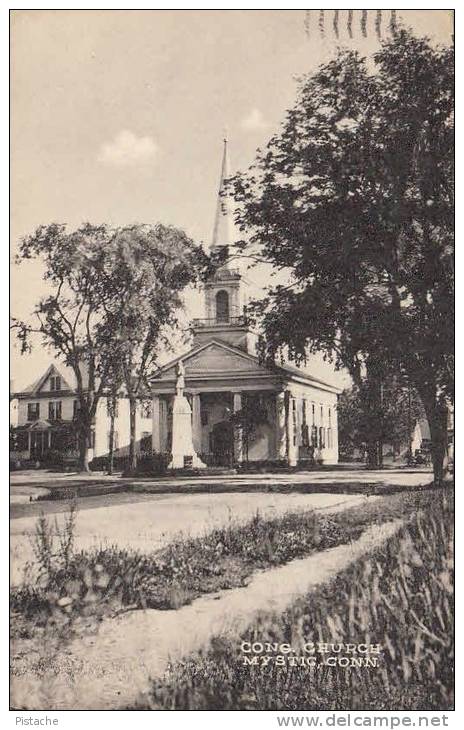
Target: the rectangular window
pixel 304 411
pixel 55 382
pixel 33 411
pixel 54 410
pixel 314 437
pixel 322 437
pixel 108 408
pixel 146 409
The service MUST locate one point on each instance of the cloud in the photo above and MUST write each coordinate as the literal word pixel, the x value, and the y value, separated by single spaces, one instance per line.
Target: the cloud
pixel 254 121
pixel 127 149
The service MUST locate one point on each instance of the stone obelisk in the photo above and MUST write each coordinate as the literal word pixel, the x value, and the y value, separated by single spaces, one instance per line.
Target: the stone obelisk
pixel 182 441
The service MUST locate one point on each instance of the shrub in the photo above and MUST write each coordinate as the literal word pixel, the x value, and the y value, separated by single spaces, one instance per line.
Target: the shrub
pixel 400 596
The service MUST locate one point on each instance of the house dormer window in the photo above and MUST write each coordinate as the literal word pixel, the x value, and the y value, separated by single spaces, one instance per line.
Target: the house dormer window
pixel 55 382
pixel 222 306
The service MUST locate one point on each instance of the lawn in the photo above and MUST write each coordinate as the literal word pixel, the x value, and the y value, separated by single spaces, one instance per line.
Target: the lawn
pixel 93 583
pixel 400 596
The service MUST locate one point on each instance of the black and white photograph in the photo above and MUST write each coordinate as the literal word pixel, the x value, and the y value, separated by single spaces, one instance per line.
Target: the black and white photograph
pixel 232 400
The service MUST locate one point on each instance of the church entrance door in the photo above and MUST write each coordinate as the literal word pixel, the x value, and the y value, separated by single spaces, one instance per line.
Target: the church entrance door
pixel 223 443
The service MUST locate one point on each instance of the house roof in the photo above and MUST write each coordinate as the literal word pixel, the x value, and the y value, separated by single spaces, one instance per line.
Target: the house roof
pixel 286 371
pixel 37 385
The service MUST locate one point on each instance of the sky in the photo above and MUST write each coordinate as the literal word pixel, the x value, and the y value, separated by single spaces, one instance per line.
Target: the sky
pixel 119 116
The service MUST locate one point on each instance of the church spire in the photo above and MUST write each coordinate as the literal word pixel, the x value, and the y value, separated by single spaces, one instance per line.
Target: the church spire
pixel 222 222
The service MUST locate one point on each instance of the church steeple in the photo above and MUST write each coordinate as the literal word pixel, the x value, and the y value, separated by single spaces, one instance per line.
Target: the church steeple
pixel 222 230
pixel 225 293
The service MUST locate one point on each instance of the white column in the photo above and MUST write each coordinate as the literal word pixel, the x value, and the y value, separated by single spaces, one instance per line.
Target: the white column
pixel 335 432
pixel 238 441
pixel 281 436
pixel 196 422
pixel 155 429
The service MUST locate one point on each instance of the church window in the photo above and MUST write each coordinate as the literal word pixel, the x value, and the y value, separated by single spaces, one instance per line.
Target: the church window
pixel 222 306
pixel 314 413
pixel 314 436
pixel 322 437
pixel 304 411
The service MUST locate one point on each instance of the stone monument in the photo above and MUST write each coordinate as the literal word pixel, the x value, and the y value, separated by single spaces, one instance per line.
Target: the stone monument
pixel 183 452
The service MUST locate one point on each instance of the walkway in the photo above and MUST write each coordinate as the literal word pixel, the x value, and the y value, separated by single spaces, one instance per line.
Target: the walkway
pixel 112 669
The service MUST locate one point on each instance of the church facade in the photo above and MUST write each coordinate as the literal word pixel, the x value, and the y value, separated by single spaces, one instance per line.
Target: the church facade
pixel 240 410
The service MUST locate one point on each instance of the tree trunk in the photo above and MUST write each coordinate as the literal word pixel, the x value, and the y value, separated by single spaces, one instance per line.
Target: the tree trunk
pixel 83 440
pixel 372 388
pixel 111 444
pixel 437 416
pixel 372 457
pixel 133 431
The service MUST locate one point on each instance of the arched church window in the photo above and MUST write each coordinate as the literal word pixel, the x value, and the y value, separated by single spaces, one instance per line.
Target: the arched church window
pixel 222 306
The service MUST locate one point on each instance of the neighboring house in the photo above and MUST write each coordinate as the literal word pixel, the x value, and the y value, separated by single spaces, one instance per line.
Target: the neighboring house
pixel 46 415
pixel 223 373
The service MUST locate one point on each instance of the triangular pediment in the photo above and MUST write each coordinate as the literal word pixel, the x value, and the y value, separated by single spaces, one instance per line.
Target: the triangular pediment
pixel 214 358
pixel 43 383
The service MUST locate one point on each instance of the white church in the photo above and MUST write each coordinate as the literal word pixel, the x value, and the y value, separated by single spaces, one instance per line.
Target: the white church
pixel 196 395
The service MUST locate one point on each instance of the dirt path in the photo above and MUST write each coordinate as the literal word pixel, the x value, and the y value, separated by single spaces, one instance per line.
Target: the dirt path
pixel 112 669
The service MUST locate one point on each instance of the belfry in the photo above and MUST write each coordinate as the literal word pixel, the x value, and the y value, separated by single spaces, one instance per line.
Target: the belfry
pixel 240 409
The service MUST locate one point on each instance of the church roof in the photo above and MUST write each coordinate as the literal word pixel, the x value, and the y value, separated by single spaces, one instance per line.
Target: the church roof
pixel 234 357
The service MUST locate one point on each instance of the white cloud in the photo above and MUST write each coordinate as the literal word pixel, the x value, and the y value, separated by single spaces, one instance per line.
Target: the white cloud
pixel 127 149
pixel 254 121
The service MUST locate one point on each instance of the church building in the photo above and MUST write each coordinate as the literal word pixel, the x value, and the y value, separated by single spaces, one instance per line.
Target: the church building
pixel 218 405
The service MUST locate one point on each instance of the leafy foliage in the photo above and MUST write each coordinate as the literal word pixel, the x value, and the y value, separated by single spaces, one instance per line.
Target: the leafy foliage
pixel 111 295
pixel 393 422
pixel 354 200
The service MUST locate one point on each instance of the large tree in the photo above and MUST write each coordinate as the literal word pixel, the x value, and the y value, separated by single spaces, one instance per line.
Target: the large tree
pixel 353 199
pixel 150 267
pixel 111 292
pixel 70 319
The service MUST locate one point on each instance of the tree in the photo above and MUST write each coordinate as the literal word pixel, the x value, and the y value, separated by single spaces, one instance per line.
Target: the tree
pixel 393 423
pixel 248 419
pixel 112 292
pixel 72 319
pixel 150 267
pixel 354 200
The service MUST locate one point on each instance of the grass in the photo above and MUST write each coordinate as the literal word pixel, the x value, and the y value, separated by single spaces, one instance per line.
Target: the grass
pixel 76 589
pixel 400 596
